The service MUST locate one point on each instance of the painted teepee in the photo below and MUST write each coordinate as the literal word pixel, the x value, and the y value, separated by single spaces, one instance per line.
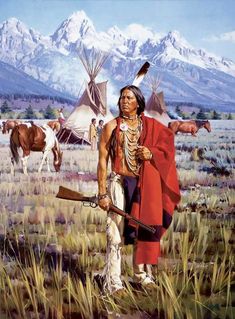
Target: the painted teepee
pixel 92 104
pixel 155 106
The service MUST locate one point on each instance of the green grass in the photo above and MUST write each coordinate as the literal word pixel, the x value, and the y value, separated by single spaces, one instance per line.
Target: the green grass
pixel 195 275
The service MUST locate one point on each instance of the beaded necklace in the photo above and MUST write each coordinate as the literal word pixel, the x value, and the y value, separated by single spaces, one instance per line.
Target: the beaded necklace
pixel 131 137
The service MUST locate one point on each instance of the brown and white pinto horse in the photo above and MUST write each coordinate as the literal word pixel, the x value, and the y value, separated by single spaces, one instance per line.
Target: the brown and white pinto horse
pixel 9 125
pixel 31 137
pixel 55 125
pixel 189 126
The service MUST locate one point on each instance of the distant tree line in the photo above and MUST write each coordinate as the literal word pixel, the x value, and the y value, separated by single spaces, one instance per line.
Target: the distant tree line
pixel 202 114
pixel 48 113
pixel 188 104
pixel 27 97
pixel 29 113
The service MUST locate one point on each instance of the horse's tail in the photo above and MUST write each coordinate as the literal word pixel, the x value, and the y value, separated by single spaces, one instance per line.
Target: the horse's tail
pixel 14 144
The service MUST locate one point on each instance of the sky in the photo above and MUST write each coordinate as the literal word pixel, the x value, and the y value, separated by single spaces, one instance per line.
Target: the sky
pixel 205 24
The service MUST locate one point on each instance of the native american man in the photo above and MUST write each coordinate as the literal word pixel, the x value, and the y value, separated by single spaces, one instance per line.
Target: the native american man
pixel 143 182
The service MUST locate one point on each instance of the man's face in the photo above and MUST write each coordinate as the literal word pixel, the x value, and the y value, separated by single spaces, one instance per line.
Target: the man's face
pixel 128 103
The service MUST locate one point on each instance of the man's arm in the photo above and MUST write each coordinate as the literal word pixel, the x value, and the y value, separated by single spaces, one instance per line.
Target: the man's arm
pixel 104 199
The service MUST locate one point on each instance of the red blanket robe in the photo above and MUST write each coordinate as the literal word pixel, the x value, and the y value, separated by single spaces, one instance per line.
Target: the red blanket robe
pixel 159 189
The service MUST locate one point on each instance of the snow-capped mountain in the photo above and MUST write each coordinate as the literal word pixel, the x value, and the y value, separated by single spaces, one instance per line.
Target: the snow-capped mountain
pixel 173 46
pixel 13 81
pixel 17 41
pixel 72 31
pixel 187 74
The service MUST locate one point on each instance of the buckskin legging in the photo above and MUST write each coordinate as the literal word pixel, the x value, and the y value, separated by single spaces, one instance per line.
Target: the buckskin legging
pixel 121 189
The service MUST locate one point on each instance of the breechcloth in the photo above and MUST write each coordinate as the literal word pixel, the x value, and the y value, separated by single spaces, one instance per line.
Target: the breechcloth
pixel 122 192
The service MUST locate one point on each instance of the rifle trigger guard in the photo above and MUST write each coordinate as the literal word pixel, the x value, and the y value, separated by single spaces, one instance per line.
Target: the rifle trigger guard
pixel 89 204
pixel 93 205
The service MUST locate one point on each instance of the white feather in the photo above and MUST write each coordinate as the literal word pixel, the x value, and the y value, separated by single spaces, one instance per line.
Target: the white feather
pixel 138 80
pixel 141 74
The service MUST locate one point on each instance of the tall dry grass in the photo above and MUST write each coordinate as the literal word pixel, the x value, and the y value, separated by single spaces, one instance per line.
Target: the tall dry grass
pixel 195 274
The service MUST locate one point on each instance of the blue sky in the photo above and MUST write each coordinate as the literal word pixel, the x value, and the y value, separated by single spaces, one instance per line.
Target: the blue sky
pixel 207 24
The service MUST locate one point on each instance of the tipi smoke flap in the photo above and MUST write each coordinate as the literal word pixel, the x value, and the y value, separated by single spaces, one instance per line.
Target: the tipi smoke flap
pixel 92 104
pixel 155 106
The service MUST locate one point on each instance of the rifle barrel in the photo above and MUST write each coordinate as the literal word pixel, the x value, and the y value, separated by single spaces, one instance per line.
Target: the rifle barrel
pixel 129 217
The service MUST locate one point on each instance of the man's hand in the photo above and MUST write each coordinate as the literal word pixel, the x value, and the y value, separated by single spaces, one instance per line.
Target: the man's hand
pixel 104 203
pixel 143 153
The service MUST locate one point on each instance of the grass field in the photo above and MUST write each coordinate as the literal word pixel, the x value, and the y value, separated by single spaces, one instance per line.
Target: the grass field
pixel 51 248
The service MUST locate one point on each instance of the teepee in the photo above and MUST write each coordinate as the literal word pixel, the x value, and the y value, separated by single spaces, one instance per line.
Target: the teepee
pixel 92 104
pixel 155 106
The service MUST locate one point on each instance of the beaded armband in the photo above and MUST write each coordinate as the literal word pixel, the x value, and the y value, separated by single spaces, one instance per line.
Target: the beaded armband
pixel 102 196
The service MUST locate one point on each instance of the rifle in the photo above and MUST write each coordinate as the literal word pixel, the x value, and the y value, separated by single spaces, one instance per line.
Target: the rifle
pixel 69 194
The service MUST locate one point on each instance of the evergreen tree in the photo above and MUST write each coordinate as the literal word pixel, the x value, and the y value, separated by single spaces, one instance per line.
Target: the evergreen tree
pixel 184 116
pixel 230 117
pixel 179 112
pixel 5 108
pixel 177 109
pixel 201 115
pixel 215 116
pixel 29 112
pixel 49 113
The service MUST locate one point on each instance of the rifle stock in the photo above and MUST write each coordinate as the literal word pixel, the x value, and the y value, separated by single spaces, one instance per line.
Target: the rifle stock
pixel 69 194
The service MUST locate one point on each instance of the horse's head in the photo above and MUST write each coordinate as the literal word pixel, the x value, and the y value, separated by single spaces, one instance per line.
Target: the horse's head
pixel 207 126
pixel 58 160
pixel 4 130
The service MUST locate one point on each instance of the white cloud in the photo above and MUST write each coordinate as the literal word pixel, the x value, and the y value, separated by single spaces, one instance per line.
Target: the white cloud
pixel 228 36
pixel 140 33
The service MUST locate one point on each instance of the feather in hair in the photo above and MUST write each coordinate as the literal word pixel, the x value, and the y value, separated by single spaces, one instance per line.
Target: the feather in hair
pixel 141 73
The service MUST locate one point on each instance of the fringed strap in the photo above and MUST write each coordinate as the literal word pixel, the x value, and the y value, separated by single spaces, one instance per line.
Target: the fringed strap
pixel 143 132
pixel 117 159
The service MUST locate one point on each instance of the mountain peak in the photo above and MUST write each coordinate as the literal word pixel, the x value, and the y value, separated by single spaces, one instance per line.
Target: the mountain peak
pixel 14 25
pixel 80 22
pixel 115 33
pixel 174 34
pixel 12 21
pixel 77 26
pixel 78 15
pixel 175 38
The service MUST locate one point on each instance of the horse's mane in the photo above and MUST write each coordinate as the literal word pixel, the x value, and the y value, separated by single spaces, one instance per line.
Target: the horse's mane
pixel 200 123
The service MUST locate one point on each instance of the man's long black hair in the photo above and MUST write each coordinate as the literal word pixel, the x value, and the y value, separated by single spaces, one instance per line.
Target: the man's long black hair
pixel 141 103
pixel 139 97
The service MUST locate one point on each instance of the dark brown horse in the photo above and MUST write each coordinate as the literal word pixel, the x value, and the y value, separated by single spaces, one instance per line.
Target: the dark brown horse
pixel 31 137
pixel 55 125
pixel 189 126
pixel 9 125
